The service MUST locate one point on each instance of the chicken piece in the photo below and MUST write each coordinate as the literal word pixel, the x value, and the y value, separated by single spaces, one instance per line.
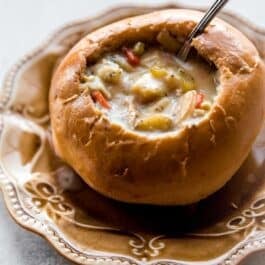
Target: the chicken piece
pixel 147 88
pixel 109 72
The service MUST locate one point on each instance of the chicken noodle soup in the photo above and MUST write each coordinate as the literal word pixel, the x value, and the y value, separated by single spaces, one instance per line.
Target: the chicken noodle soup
pixel 149 89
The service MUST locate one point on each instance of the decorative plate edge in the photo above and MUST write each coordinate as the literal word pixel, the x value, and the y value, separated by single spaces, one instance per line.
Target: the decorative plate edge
pixel 44 229
pixel 32 224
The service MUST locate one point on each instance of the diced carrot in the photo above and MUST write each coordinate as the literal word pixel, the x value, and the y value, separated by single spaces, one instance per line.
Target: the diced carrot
pixel 199 100
pixel 98 97
pixel 132 59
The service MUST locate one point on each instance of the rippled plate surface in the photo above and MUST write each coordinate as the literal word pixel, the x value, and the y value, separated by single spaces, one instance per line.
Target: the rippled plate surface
pixel 47 197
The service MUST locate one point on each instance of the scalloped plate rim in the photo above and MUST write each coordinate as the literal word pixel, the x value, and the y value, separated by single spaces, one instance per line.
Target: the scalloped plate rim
pixel 6 91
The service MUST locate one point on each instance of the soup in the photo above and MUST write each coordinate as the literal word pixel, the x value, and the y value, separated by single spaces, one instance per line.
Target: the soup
pixel 147 88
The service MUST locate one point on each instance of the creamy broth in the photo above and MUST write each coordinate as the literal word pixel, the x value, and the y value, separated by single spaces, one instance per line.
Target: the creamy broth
pixel 148 89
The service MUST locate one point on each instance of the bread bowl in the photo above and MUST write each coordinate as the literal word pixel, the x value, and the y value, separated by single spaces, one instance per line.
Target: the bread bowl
pixel 162 159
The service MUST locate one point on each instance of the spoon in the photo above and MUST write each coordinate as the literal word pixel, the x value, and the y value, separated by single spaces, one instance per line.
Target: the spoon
pixel 207 18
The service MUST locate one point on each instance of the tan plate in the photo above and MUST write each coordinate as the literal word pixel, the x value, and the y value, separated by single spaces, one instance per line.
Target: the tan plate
pixel 46 197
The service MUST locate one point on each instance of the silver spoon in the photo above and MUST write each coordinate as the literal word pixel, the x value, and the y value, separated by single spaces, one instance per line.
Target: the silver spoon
pixel 209 15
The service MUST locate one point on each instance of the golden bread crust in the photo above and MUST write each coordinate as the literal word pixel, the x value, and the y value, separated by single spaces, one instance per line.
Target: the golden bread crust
pixel 178 168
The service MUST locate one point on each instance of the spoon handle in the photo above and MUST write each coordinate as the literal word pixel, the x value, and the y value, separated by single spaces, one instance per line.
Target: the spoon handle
pixel 209 15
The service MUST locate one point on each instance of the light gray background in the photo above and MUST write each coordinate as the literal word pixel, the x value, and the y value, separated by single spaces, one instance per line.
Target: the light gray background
pixel 23 24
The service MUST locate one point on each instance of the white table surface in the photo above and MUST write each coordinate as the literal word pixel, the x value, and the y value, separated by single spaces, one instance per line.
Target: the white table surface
pixel 23 24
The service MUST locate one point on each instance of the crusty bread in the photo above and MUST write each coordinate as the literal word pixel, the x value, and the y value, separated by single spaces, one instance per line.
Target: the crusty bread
pixel 169 169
